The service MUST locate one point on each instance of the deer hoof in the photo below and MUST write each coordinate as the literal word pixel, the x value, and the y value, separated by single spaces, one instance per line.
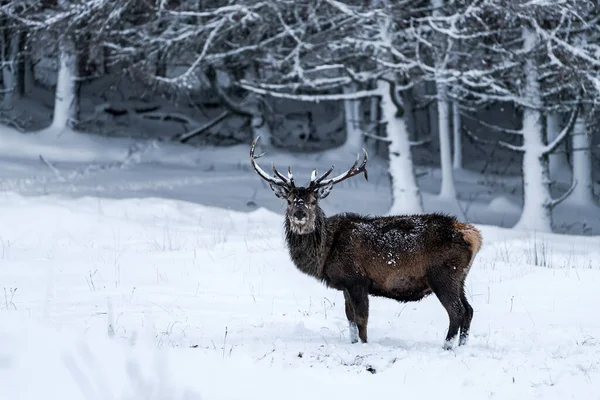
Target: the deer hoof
pixel 449 344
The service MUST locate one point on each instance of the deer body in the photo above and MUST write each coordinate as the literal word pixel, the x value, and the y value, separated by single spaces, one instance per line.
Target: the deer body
pixel 403 258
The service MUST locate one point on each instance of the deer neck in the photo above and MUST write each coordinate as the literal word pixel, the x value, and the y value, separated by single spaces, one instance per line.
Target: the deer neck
pixel 308 251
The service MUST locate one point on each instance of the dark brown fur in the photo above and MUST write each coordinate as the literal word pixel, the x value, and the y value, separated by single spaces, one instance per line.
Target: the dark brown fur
pixel 403 258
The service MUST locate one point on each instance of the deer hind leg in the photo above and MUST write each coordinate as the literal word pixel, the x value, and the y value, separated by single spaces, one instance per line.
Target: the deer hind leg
pixel 357 312
pixel 447 290
pixel 352 327
pixel 466 322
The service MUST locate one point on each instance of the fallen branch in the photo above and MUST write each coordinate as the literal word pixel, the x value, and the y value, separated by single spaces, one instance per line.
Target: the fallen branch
pixel 185 137
pixel 13 121
pixel 133 156
pixel 166 116
pixel 52 168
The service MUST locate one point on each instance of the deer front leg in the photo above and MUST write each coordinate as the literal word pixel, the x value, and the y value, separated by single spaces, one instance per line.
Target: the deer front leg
pixel 357 312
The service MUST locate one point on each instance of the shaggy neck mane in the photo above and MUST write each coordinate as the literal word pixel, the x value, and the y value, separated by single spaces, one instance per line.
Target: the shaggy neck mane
pixel 308 250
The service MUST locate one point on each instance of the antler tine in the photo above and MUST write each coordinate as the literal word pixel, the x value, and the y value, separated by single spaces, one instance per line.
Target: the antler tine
pixel 280 176
pixel 291 176
pixel 315 181
pixel 260 171
pixel 348 174
pixel 313 175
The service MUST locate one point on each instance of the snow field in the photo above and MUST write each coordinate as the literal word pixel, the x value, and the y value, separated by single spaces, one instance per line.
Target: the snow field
pixel 154 298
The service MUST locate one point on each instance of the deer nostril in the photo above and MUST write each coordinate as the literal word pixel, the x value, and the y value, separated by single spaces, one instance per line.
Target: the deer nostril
pixel 299 214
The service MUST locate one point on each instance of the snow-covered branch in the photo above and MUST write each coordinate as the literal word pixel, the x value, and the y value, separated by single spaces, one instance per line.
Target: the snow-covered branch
pixel 550 147
pixel 192 68
pixel 380 138
pixel 494 142
pixel 564 196
pixel 492 126
pixel 248 10
pixel 511 146
pixel 185 137
pixel 309 97
pixel 421 142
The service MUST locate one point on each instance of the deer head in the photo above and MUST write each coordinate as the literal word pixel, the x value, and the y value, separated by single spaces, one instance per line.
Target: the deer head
pixel 303 201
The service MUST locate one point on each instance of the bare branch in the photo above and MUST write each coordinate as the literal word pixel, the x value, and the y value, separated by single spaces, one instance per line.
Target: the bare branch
pixel 562 198
pixel 228 102
pixel 380 138
pixel 574 50
pixel 494 143
pixel 315 98
pixel 52 168
pixel 563 134
pixel 492 126
pixel 511 146
pixel 185 137
pixel 349 11
pixel 420 142
pixel 219 11
pixel 183 77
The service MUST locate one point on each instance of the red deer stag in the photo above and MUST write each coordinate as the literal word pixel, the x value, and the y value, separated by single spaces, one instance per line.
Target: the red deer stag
pixel 404 258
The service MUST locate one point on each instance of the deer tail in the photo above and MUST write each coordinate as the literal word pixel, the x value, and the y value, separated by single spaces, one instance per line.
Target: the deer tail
pixel 472 236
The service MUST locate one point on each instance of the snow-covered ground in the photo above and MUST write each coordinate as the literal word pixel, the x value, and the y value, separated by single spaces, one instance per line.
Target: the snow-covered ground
pixel 160 273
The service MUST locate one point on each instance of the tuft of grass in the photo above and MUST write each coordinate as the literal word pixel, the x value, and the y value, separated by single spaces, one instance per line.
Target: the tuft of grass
pixel 110 323
pixel 5 248
pixel 538 253
pixel 503 253
pixel 167 334
pixel 327 305
pixel 9 296
pixel 90 280
pixel 167 242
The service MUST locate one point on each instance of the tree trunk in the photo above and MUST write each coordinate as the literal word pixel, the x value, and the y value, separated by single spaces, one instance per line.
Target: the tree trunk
pixel 260 126
pixel 537 201
pixel 457 161
pixel 10 60
pixel 408 99
pixel 374 116
pixel 22 65
pixel 27 75
pixel 354 140
pixel 559 165
pixel 65 102
pixel 406 197
pixel 583 194
pixel 161 64
pixel 258 111
pixel 447 190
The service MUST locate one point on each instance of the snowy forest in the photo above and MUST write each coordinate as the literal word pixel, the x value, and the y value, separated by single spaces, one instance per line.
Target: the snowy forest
pixel 495 87
pixel 142 257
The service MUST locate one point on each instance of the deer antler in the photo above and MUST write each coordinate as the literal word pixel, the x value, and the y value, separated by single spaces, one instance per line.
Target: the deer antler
pixel 283 181
pixel 290 178
pixel 320 182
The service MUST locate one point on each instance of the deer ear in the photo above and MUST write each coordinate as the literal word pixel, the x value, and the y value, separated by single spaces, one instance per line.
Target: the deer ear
pixel 324 191
pixel 280 191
